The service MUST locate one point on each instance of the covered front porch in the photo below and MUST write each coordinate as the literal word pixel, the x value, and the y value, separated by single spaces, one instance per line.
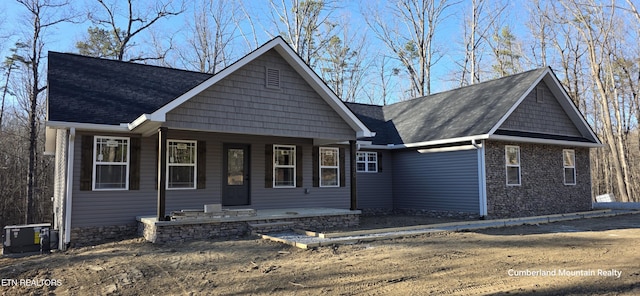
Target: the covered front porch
pixel 240 222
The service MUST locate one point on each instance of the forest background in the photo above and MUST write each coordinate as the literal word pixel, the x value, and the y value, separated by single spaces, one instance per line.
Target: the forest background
pixel 375 52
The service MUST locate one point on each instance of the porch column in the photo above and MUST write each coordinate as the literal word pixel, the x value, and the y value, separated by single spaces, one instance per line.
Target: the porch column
pixel 162 171
pixel 352 161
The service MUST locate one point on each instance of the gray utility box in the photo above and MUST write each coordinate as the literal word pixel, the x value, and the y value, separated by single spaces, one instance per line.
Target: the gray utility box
pixel 22 239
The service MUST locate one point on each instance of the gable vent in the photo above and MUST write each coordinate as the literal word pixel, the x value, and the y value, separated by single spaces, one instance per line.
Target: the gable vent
pixel 273 78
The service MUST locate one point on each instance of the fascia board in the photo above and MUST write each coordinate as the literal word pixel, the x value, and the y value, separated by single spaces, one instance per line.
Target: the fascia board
pixel 88 126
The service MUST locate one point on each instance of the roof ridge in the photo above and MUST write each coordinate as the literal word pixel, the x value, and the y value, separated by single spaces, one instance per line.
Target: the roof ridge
pixel 125 62
pixel 470 85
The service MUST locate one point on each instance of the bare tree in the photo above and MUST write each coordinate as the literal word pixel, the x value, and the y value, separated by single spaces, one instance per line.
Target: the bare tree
pixel 596 26
pixel 343 66
pixel 306 25
pixel 210 34
pixel 540 27
pixel 384 84
pixel 41 15
pixel 476 34
pixel 414 47
pixel 119 38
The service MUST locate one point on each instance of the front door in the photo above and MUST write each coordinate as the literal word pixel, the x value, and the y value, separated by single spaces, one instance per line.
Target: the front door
pixel 235 183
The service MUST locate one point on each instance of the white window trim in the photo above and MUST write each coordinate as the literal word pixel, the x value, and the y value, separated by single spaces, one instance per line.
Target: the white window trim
pixel 507 166
pixel 275 166
pixel 367 162
pixel 564 167
pixel 337 166
pixel 95 164
pixel 194 165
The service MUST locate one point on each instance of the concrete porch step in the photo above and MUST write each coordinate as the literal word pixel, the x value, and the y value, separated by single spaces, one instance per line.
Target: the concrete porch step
pixel 266 227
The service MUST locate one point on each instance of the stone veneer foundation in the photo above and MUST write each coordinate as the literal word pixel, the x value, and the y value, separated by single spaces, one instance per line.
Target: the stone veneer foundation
pixel 542 190
pixel 186 230
pixel 88 236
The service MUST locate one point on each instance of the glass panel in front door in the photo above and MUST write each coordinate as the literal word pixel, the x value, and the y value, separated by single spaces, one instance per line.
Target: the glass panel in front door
pixel 235 167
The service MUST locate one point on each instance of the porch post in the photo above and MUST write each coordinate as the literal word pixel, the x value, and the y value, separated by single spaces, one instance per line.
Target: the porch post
pixel 352 161
pixel 162 171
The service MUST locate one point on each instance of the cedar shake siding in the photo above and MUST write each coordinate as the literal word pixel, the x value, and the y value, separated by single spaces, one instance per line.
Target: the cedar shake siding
pixel 438 181
pixel 540 112
pixel 98 208
pixel 241 103
pixel 542 190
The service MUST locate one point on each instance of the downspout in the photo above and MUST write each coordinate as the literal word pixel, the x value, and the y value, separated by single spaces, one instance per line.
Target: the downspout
pixel 482 180
pixel 64 243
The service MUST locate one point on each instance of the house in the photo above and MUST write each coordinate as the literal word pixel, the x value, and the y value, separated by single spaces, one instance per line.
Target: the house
pixel 266 132
pixel 510 147
pixel 249 136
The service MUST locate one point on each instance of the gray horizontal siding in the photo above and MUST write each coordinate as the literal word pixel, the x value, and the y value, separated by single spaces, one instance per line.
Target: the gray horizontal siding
pixel 240 103
pixel 96 208
pixel 273 198
pixel 442 181
pixel 541 117
pixel 375 189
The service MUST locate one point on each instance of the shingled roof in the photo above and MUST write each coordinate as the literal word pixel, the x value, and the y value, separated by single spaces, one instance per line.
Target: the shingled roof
pixel 468 111
pixel 92 90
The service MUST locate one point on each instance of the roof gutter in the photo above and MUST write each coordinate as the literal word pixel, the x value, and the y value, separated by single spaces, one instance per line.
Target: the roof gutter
pixel 545 141
pixel 427 143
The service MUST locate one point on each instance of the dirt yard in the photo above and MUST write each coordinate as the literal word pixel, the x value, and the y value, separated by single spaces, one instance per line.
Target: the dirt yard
pixel 598 256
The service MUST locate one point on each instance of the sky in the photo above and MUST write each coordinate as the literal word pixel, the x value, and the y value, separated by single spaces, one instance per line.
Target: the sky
pixel 63 37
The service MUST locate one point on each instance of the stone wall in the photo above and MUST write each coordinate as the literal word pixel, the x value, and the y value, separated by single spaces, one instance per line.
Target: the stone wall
pixel 542 190
pixel 180 231
pixel 88 236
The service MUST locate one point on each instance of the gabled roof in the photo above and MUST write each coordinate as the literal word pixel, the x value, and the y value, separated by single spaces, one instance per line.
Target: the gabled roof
pixel 473 112
pixel 98 92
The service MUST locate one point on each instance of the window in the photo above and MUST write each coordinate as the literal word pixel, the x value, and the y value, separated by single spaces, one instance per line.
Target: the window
pixel 284 166
pixel 512 158
pixel 111 163
pixel 367 162
pixel 569 165
pixel 329 167
pixel 181 164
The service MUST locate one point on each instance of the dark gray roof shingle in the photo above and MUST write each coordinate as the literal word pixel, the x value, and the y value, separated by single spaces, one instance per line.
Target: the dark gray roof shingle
pixel 467 111
pixel 92 90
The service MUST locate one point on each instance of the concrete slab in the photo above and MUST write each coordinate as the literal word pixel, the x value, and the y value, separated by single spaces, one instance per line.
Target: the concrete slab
pixel 308 239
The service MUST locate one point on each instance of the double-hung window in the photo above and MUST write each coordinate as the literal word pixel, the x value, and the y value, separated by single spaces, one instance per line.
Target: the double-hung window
pixel 569 166
pixel 111 163
pixel 329 167
pixel 367 162
pixel 284 166
pixel 512 159
pixel 181 164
